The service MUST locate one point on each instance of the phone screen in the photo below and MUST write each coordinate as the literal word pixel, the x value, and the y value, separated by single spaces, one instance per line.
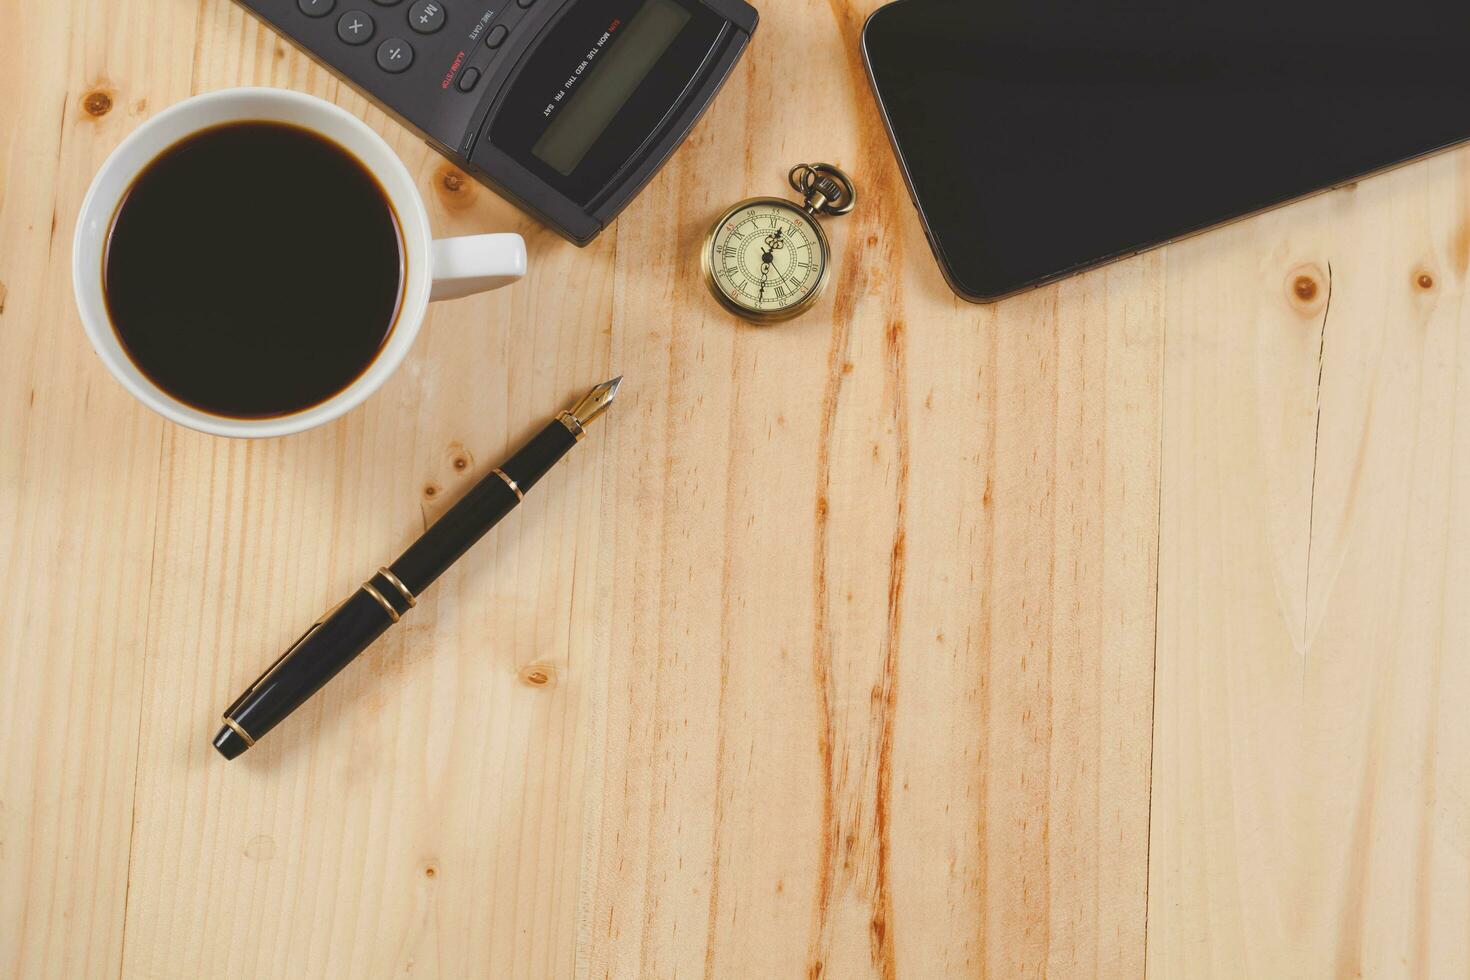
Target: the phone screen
pixel 1043 137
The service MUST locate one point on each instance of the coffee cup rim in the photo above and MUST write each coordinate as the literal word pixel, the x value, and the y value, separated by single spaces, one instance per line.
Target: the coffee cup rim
pixel 205 111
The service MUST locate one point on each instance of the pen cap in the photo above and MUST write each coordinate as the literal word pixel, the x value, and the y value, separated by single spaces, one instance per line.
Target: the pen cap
pixel 331 644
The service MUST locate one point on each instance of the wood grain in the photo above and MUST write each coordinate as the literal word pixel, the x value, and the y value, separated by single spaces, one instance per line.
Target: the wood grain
pixel 831 655
pixel 1310 774
pixel 867 565
pixel 79 468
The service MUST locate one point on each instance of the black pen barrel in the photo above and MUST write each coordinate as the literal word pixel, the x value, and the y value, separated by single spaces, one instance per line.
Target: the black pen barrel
pixel 336 639
pixel 479 510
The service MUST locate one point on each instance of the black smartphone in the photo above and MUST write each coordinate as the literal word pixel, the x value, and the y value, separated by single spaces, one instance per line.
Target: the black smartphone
pixel 1042 137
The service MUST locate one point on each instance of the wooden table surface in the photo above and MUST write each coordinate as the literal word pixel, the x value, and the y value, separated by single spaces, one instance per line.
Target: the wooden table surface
pixel 1118 627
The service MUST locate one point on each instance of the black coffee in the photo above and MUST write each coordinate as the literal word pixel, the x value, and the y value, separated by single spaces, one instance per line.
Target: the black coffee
pixel 254 270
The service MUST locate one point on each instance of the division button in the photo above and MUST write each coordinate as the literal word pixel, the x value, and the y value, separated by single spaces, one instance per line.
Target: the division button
pixel 497 36
pixel 426 16
pixel 468 78
pixel 395 55
pixel 316 8
pixel 355 27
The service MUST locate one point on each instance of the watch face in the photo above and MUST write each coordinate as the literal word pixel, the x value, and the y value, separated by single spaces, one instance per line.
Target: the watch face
pixel 767 258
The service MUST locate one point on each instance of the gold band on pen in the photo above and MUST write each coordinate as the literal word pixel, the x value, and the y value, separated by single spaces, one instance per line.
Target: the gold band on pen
pixel 397 583
pixel 370 590
pixel 234 726
pixel 573 424
pixel 509 482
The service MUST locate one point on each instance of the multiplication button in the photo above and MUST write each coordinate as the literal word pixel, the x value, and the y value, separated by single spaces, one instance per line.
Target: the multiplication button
pixel 316 8
pixel 355 27
pixel 395 55
pixel 426 16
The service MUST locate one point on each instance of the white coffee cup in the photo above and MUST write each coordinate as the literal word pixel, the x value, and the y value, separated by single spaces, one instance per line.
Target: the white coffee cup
pixel 443 269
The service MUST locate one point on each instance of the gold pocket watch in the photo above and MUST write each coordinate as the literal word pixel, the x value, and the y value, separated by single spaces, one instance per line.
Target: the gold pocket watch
pixel 766 259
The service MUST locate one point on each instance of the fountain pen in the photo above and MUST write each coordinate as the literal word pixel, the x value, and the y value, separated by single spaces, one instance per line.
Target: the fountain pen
pixel 346 630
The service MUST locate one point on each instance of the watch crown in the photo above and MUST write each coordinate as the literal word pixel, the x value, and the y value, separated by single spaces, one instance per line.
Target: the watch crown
pixel 827 187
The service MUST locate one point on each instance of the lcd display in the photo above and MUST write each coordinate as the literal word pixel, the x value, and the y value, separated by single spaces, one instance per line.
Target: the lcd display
pixel 1040 137
pixel 610 81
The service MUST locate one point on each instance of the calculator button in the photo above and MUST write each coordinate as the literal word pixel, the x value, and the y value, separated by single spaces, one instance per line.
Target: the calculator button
pixel 426 16
pixel 316 8
pixel 395 55
pixel 385 3
pixel 355 27
pixel 468 78
pixel 523 4
pixel 497 36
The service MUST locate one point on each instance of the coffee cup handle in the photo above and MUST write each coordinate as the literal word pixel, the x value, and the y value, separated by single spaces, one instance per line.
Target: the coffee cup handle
pixel 476 263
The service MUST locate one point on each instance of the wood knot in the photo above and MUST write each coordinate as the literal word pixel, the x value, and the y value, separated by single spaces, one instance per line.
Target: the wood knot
pixel 97 103
pixel 261 847
pixel 454 188
pixel 1306 289
pixel 538 675
pixel 459 457
pixel 1424 281
pixel 431 490
pixel 431 871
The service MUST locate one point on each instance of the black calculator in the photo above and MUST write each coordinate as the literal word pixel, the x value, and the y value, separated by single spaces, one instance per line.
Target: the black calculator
pixel 565 107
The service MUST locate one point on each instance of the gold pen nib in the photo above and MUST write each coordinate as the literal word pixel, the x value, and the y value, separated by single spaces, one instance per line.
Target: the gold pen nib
pixel 595 402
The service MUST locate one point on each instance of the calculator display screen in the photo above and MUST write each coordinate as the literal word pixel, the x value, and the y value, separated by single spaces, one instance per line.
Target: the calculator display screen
pixel 599 85
pixel 608 83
